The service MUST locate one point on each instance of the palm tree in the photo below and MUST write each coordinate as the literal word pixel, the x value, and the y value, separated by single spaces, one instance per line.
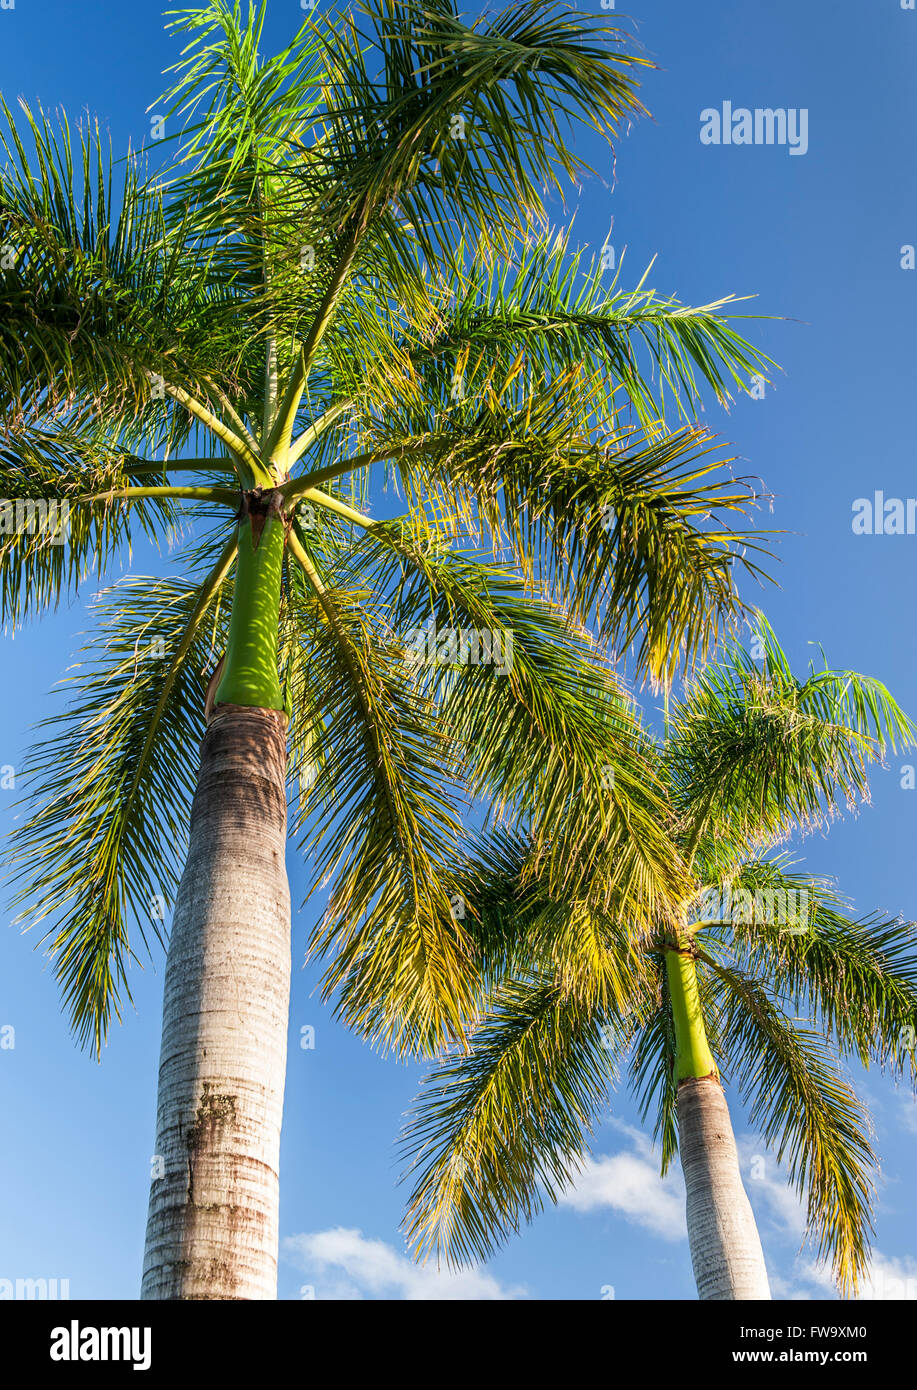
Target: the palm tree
pixel 761 976
pixel 222 356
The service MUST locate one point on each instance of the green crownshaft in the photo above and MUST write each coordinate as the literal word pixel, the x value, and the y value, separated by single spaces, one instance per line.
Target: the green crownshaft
pixel 692 1051
pixel 250 673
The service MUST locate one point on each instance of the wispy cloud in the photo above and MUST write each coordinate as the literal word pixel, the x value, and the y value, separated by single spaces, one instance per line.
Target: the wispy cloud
pixel 890 1279
pixel 629 1183
pixel 343 1264
pixel 907 1113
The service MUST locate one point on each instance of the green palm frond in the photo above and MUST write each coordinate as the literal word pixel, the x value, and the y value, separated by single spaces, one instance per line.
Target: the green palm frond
pixel 242 110
pixel 518 924
pixel 49 540
pixel 505 906
pixel 647 537
pixel 652 1071
pixel 556 309
pixel 384 827
pixel 99 298
pixel 857 976
pixel 755 752
pixel 244 115
pixel 541 721
pixel 110 786
pixel 498 1131
pixel 513 81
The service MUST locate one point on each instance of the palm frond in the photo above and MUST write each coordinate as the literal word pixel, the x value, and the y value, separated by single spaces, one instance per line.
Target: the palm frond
pixel 50 541
pixel 755 752
pixel 556 309
pixel 98 303
pixel 856 976
pixel 652 1070
pixel 498 1131
pixel 512 81
pixel 384 827
pixel 541 720
pixel 110 786
pixel 646 538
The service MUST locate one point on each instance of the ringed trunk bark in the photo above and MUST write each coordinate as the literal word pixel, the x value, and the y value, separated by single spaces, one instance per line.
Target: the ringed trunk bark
pixel 212 1231
pixel 725 1246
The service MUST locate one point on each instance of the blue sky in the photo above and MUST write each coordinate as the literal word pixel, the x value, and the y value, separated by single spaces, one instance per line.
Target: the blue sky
pixel 817 237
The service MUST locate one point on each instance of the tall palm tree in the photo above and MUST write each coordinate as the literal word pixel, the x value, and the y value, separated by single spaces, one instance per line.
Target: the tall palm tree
pixel 760 977
pixel 224 354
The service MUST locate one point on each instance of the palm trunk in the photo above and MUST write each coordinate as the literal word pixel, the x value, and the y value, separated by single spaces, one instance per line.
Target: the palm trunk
pixel 213 1221
pixel 212 1230
pixel 725 1246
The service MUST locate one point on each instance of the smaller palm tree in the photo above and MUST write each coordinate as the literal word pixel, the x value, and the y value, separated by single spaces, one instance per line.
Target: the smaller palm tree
pixel 759 977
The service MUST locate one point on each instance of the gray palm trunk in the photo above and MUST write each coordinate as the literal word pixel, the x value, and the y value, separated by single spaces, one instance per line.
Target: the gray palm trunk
pixel 212 1231
pixel 725 1246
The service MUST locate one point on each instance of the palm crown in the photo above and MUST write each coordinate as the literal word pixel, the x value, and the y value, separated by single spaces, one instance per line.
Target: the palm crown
pixel 788 981
pixel 331 279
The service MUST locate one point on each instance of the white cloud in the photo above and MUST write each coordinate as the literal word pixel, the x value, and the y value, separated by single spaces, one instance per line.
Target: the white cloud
pixel 908 1113
pixel 890 1278
pixel 786 1290
pixel 629 1183
pixel 343 1264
